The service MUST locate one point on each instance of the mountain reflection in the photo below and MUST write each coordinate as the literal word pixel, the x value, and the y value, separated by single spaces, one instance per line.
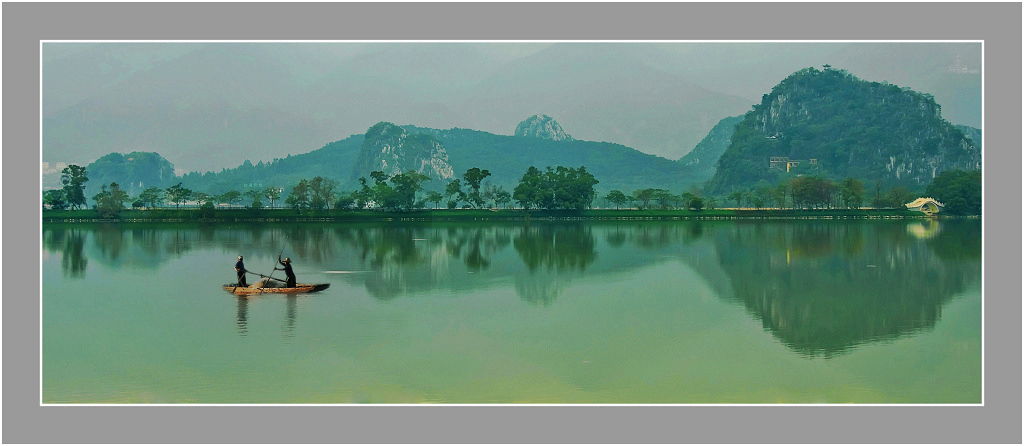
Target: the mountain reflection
pixel 823 288
pixel 820 287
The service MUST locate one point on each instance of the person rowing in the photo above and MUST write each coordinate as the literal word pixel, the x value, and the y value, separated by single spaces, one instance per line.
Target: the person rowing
pixel 287 262
pixel 240 270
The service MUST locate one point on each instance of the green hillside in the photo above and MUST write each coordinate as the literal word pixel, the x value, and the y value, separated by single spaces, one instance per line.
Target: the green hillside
pixel 506 157
pixel 836 126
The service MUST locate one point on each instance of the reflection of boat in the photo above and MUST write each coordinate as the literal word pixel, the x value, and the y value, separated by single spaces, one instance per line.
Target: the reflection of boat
pixel 299 288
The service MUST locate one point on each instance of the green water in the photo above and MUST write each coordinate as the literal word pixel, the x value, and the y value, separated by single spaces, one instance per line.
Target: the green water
pixel 629 312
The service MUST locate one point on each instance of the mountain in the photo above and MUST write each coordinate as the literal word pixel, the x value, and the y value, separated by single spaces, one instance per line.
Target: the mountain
pixel 213 105
pixel 836 125
pixel 133 172
pixel 437 152
pixel 704 157
pixel 542 126
pixel 391 149
pixel 508 157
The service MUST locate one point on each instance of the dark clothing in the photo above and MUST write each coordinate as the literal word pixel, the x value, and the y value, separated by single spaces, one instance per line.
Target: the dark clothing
pixel 290 283
pixel 240 270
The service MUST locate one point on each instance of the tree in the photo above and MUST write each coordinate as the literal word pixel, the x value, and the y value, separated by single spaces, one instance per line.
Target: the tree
pixel 299 197
pixel 151 196
pixel 665 199
pixel 177 194
pixel 231 197
pixel 473 178
pixel 364 195
pixel 344 201
pixel 406 186
pixel 383 195
pixel 779 194
pixel 616 197
pixel 898 196
pixel 454 189
pixel 960 191
pixel 644 196
pixel 272 194
pixel 762 193
pixel 110 202
pixel 74 178
pixel 530 190
pixel 503 198
pixel 55 199
pixel 489 194
pixel 696 203
pixel 877 200
pixel 736 196
pixel 435 197
pixel 255 195
pixel 852 191
pixel 321 192
pixel 203 198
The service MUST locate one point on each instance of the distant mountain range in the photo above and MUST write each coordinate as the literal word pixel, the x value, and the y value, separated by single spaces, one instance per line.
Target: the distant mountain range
pixel 447 154
pixel 213 105
pixel 822 122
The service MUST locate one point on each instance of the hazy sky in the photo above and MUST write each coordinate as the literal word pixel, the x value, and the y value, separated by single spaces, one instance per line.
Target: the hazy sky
pixel 207 106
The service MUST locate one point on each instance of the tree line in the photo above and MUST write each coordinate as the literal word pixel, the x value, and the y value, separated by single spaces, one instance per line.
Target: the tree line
pixel 550 189
pixel 555 188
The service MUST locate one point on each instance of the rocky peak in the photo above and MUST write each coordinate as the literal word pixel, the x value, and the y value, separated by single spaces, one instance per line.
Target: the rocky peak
pixel 392 149
pixel 542 126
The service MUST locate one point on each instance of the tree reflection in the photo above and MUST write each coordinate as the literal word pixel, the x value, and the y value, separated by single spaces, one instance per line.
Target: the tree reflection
pixel 558 248
pixel 71 245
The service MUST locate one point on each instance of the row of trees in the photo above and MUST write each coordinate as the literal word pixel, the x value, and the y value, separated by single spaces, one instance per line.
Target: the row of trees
pixel 558 188
pixel 112 198
pixel 812 192
pixel 553 188
pixel 652 198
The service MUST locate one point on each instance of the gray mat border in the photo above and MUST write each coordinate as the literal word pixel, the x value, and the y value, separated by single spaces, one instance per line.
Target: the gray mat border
pixel 998 24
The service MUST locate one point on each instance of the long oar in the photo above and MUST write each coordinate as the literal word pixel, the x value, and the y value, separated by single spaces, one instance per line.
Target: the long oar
pixel 272 268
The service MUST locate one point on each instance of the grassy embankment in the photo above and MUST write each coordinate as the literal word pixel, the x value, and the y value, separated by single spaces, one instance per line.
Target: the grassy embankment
pixel 196 214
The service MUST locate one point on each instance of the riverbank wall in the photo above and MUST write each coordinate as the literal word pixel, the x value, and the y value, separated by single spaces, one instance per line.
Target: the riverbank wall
pixel 454 215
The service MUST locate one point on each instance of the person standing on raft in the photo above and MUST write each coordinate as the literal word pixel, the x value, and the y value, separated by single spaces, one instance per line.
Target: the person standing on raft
pixel 240 270
pixel 290 283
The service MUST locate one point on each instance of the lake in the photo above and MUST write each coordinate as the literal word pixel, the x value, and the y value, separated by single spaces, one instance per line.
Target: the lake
pixel 627 312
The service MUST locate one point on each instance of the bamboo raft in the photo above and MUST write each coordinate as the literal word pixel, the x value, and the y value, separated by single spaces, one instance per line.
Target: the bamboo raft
pixel 299 288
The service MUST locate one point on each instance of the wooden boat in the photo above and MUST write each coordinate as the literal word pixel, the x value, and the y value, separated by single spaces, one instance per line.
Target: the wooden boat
pixel 299 288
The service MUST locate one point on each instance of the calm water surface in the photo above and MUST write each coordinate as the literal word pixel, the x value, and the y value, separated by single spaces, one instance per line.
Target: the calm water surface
pixel 629 312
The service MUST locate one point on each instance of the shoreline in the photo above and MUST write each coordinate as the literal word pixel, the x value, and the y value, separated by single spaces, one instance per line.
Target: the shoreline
pixel 454 215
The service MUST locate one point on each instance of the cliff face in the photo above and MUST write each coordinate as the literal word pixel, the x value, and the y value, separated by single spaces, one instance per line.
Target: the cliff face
pixel 392 150
pixel 542 126
pixel 851 128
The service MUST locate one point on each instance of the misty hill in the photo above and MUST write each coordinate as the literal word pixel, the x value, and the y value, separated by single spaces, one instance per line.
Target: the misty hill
pixel 132 172
pixel 506 157
pixel 703 159
pixel 837 125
